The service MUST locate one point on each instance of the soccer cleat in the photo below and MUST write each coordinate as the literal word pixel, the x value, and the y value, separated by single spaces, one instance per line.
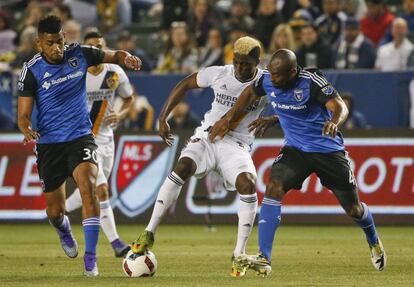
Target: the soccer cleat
pixel 68 243
pixel 144 242
pixel 378 256
pixel 260 264
pixel 120 248
pixel 239 266
pixel 91 267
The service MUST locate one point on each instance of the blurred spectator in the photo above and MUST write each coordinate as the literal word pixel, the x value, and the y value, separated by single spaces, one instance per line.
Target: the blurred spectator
pixel 314 52
pixel 212 54
pixel 179 55
pixel 27 47
pixel 83 11
pixel 73 31
pixel 239 15
pixel 393 56
pixel 408 15
pixel 235 33
pixel 7 34
pixel 173 11
pixel 355 118
pixel 183 118
pixel 62 11
pixel 201 19
pixel 290 7
pixel 377 21
pixel 282 37
pixel 33 13
pixel 354 8
pixel 127 42
pixel 331 24
pixel 141 115
pixel 267 18
pixel 297 24
pixel 114 15
pixel 355 51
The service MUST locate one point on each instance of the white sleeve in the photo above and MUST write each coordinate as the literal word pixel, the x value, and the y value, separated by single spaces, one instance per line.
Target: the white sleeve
pixel 380 59
pixel 124 89
pixel 207 76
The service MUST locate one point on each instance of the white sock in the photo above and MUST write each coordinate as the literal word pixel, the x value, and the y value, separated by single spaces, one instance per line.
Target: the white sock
pixel 247 213
pixel 74 201
pixel 108 221
pixel 166 196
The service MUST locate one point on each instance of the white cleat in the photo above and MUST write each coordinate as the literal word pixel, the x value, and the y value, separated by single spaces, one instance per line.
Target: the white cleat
pixel 260 264
pixel 378 256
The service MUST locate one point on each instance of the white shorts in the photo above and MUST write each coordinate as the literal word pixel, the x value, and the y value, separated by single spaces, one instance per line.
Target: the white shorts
pixel 229 157
pixel 105 155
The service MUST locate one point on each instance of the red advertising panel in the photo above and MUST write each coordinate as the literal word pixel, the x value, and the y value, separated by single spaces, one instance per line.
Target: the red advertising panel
pixel 383 169
pixel 21 195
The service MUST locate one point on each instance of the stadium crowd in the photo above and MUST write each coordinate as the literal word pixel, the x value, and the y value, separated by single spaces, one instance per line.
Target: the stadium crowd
pixel 181 36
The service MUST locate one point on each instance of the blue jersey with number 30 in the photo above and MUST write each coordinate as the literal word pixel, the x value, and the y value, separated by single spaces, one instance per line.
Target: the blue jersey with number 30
pixel 60 93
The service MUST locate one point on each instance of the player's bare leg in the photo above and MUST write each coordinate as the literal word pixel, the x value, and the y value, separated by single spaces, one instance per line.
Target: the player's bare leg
pixel 360 213
pixel 168 194
pixel 85 178
pixel 108 222
pixel 246 186
pixel 55 210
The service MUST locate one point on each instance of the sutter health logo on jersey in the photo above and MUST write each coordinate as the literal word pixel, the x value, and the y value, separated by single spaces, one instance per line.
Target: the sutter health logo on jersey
pixel 141 165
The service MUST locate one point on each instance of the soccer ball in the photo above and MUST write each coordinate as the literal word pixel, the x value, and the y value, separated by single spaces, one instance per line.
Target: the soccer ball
pixel 137 265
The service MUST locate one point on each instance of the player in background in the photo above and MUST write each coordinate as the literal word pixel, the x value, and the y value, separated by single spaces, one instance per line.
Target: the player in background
pixel 309 111
pixel 230 157
pixel 102 83
pixel 54 79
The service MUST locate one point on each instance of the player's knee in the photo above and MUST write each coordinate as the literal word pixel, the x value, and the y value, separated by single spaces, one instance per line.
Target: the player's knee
pixel 246 183
pixel 275 190
pixel 102 192
pixel 185 168
pixel 55 213
pixel 355 211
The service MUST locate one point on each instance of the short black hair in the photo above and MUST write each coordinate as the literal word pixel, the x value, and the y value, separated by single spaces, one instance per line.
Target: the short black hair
pixel 50 24
pixel 92 35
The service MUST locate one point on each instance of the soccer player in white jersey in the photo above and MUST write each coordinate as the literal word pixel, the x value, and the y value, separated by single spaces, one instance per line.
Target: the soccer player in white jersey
pixel 230 158
pixel 102 83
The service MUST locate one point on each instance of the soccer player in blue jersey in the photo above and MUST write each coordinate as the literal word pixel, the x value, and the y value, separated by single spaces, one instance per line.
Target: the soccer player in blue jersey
pixel 54 79
pixel 309 111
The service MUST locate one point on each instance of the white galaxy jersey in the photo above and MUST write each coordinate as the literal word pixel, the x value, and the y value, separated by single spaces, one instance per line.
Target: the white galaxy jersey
pixel 101 90
pixel 227 90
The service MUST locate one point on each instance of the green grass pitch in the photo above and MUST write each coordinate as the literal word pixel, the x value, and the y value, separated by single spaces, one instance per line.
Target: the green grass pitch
pixel 30 255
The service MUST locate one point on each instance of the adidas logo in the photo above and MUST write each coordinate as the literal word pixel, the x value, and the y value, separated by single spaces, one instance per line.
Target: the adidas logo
pixel 262 221
pixel 46 75
pixel 160 201
pixel 272 94
pixel 223 87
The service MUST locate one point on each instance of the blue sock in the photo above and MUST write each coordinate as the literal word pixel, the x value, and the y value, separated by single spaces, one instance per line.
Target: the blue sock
pixel 368 225
pixel 269 221
pixel 91 227
pixel 62 224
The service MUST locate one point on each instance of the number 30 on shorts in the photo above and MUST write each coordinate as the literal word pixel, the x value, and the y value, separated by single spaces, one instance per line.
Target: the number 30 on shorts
pixel 89 154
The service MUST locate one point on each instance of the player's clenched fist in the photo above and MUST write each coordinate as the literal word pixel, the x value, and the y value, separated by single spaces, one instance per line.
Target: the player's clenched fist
pixel 165 133
pixel 133 62
pixel 219 129
pixel 30 135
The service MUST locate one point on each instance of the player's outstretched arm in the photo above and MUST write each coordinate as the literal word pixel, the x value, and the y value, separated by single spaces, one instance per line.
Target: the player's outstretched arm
pixel 222 126
pixel 176 96
pixel 24 112
pixel 122 58
pixel 339 113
